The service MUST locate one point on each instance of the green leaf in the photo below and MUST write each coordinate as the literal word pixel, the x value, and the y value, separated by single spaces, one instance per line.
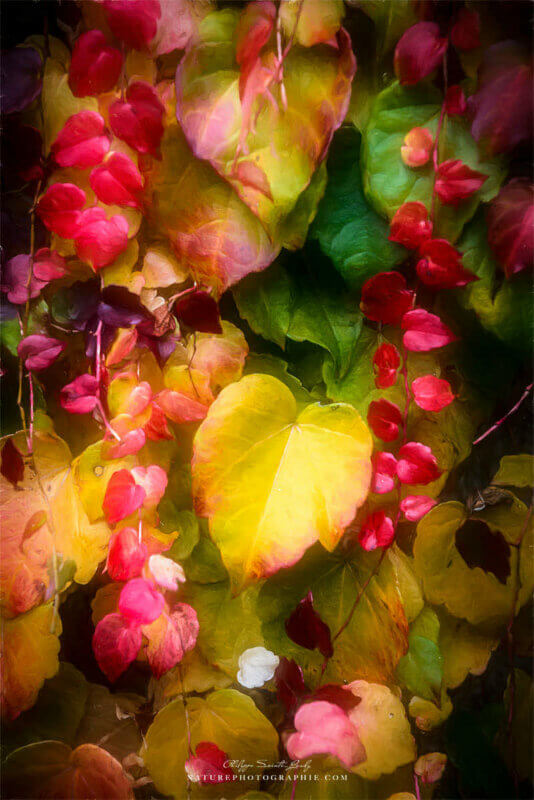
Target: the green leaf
pixel 349 231
pixel 391 19
pixel 186 523
pixel 389 182
pixel 503 307
pixel 56 714
pixel 375 638
pixel 304 300
pixel 226 717
pixel 421 670
pixel 515 471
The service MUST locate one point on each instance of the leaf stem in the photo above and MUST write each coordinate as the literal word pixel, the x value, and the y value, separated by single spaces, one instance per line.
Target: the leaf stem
pixel 508 414
pixel 435 151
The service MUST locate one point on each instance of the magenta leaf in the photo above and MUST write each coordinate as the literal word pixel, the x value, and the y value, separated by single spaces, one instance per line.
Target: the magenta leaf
pixel 116 643
pixel 140 602
pixel 39 352
pixel 80 396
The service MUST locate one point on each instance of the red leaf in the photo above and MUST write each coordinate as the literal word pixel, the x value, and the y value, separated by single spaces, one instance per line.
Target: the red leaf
pixel 59 208
pixel 455 102
pixel 99 240
pixel 384 419
pixel 118 182
pixel 116 644
pixel 126 555
pixel 502 107
pixel 384 473
pixel 39 352
pixel 324 728
pixel 415 506
pixel 417 464
pixel 455 182
pixel 386 362
pixel 290 686
pixel 415 152
pixel 432 394
pixel 95 65
pixel 254 30
pixel 410 225
pixel 511 226
pixel 425 331
pixel 377 531
pixel 170 637
pixel 306 628
pixel 80 396
pixel 138 120
pixel 419 51
pixel 465 33
pixel 123 496
pixel 134 23
pixel 338 695
pixel 208 765
pixel 198 311
pixel 82 142
pixel 385 298
pixel 441 267
pixel 157 428
pixel 140 602
pixel 11 463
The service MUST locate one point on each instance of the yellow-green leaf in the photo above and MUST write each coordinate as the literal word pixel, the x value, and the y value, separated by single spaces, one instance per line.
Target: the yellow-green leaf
pixel 271 482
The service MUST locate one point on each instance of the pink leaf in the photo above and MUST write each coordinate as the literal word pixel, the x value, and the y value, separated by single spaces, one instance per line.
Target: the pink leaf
pixel 305 627
pixel 432 394
pixel 511 226
pixel 415 152
pixel 95 66
pixel 48 265
pixel 208 765
pixel 410 225
pixel 138 120
pixel 455 182
pixel 324 728
pixel 384 473
pixel 419 51
pixel 126 555
pixel 385 298
pixel 118 182
pixel 59 208
pixel 153 479
pixel 425 331
pixel 80 396
pixel 417 464
pixel 123 496
pixel 116 644
pixel 376 531
pixel 132 439
pixel 415 506
pixel 15 275
pixel 166 572
pixel 465 33
pixel 170 637
pixel 82 142
pixel 134 23
pixel 441 267
pixel 140 602
pixel 384 419
pixel 99 240
pixel 39 352
pixel 386 361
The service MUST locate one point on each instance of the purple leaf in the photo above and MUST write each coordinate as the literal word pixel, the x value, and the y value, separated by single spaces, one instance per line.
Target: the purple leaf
pixel 20 78
pixel 290 686
pixel 15 280
pixel 306 628
pixel 12 463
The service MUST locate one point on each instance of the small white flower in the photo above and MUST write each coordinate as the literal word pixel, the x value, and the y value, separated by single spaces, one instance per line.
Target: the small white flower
pixel 256 666
pixel 166 572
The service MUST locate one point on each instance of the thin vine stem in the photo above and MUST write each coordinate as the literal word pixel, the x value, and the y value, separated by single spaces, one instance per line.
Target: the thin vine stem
pixel 509 413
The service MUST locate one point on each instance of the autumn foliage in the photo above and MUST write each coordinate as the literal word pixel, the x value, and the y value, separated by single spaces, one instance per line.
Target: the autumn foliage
pixel 266 336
